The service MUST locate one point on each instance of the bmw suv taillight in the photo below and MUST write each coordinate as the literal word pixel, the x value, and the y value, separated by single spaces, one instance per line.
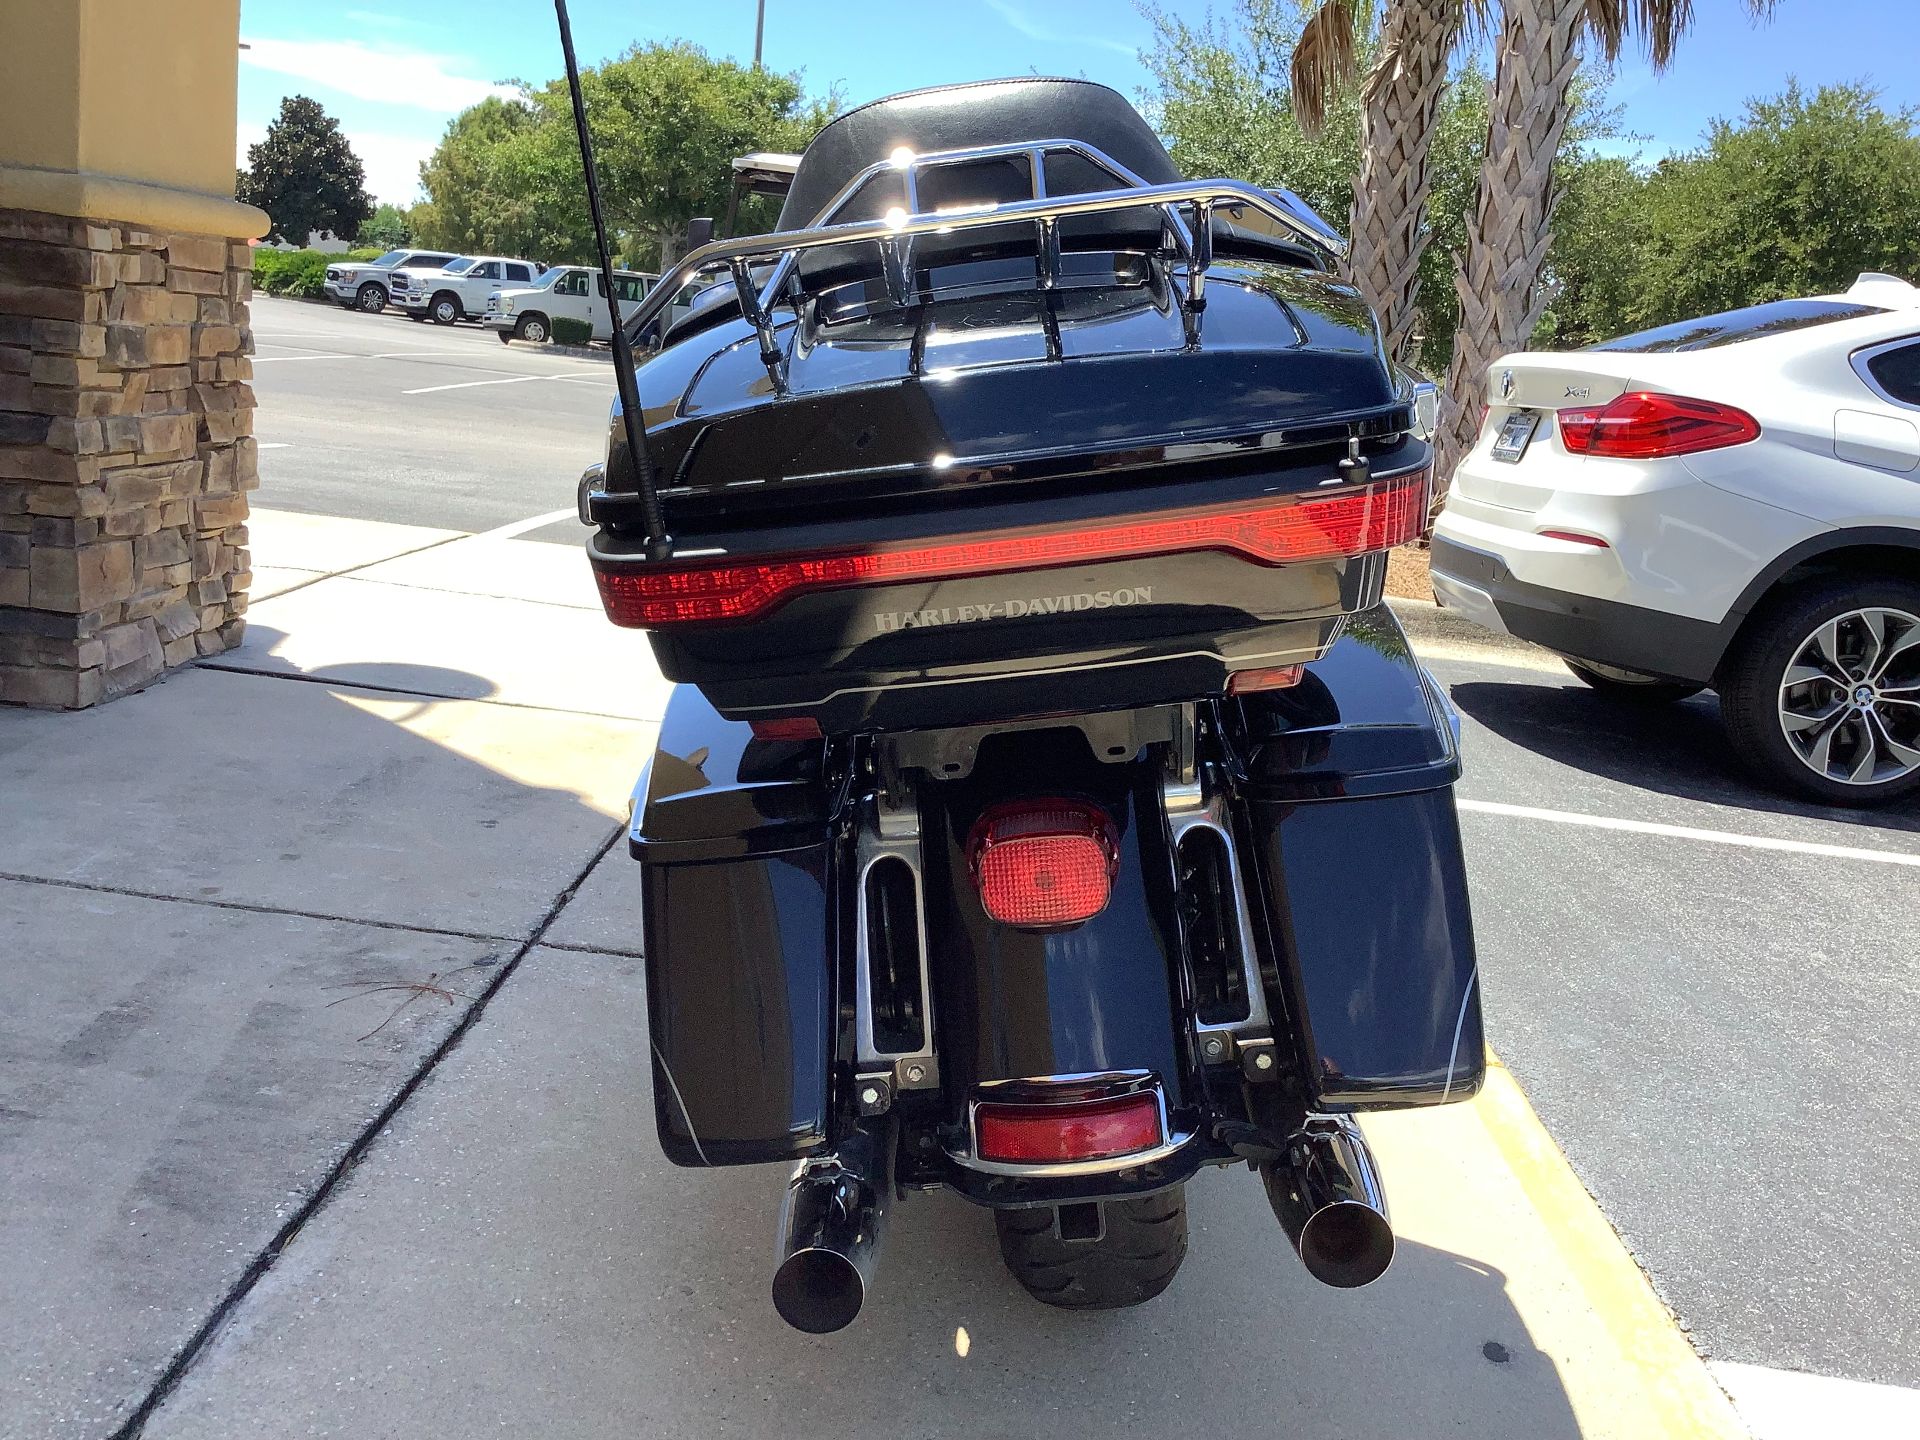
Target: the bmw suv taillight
pixel 1642 425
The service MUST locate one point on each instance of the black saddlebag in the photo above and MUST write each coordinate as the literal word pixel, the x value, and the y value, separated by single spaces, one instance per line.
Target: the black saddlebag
pixel 732 838
pixel 1357 865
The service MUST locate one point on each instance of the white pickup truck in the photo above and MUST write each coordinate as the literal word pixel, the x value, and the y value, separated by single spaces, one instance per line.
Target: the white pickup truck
pixel 459 288
pixel 367 285
pixel 574 292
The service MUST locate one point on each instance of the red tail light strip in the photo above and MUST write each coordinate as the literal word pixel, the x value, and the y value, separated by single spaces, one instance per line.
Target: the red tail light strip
pixel 1276 532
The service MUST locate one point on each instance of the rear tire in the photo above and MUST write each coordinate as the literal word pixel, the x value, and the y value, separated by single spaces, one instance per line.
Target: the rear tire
pixel 1135 1257
pixel 1629 685
pixel 1789 636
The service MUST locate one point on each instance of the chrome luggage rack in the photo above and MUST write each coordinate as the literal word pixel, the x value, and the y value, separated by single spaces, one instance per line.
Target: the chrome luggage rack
pixel 1186 208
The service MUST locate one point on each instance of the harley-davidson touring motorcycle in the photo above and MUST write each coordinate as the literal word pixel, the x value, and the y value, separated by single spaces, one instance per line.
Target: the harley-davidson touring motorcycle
pixel 1048 807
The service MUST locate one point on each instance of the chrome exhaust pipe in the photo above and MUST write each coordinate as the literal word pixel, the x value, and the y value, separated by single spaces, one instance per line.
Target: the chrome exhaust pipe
pixel 830 1229
pixel 1325 1191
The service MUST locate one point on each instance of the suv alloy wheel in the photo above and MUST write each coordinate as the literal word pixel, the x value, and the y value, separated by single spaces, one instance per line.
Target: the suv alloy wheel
pixel 1823 695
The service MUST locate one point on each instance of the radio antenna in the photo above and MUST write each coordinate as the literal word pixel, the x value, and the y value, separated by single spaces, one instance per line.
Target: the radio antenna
pixel 659 544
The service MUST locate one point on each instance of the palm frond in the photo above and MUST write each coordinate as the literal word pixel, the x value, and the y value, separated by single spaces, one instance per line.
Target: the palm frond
pixel 1322 62
pixel 1658 23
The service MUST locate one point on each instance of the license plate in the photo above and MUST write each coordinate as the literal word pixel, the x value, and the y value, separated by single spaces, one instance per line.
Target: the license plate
pixel 1516 432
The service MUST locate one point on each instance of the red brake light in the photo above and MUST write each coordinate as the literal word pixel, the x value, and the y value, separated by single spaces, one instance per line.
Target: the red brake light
pixel 1043 864
pixel 790 727
pixel 1274 677
pixel 1351 522
pixel 1645 426
pixel 1044 1134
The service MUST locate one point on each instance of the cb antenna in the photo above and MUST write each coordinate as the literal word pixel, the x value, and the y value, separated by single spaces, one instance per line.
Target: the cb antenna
pixel 659 545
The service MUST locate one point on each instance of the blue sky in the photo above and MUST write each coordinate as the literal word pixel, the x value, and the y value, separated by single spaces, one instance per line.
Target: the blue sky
pixel 395 71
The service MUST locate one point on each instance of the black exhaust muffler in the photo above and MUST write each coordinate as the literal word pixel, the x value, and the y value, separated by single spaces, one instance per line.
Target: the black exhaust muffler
pixel 830 1233
pixel 1325 1191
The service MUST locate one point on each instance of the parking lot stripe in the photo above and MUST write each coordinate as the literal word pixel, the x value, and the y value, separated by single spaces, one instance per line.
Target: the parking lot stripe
pixel 1790 1405
pixel 520 527
pixel 1688 832
pixel 508 380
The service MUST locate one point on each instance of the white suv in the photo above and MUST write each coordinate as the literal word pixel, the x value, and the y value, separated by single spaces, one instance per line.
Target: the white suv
pixel 367 286
pixel 1731 502
pixel 458 289
pixel 573 292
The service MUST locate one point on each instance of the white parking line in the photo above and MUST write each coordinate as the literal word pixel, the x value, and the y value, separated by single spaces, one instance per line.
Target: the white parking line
pixel 356 355
pixel 1789 1405
pixel 1688 832
pixel 509 380
pixel 272 444
pixel 520 527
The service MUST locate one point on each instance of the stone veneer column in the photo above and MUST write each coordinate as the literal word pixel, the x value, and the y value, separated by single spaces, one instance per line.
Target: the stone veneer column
pixel 126 453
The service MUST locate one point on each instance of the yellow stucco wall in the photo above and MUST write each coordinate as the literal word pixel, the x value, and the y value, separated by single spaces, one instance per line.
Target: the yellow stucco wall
pixel 122 109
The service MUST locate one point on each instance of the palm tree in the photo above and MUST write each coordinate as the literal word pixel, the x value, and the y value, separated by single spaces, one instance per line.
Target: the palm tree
pixel 1400 102
pixel 1497 279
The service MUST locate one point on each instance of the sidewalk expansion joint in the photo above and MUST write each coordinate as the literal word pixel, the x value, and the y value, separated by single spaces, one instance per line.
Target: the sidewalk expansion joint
pixel 197 1343
pixel 404 693
pixel 367 565
pixel 209 903
pixel 593 609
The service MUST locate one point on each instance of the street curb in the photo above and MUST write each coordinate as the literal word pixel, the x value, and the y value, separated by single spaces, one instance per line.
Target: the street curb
pixel 554 347
pixel 1646 1333
pixel 1434 629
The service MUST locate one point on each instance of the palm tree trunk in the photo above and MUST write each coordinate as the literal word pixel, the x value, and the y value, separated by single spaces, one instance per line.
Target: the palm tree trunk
pixel 1497 280
pixel 1399 106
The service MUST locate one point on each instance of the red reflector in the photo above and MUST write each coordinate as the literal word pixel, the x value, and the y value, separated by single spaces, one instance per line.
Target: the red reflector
pixel 1043 864
pixel 1645 426
pixel 1043 1134
pixel 1576 537
pixel 1349 522
pixel 1276 677
pixel 797 727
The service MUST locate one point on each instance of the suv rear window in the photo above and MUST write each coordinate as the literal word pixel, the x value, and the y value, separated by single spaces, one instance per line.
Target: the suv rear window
pixel 1777 317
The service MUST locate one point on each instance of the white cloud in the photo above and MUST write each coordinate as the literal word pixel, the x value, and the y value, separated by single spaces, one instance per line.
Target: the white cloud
pixel 388 73
pixel 1034 30
pixel 392 161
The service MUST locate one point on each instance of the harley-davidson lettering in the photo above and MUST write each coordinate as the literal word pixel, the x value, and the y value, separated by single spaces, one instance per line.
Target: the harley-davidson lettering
pixel 1014 609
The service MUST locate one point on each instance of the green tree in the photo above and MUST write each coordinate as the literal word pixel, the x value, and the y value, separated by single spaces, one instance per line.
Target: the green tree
pixel 1222 99
pixel 305 175
pixel 667 121
pixel 1798 197
pixel 389 228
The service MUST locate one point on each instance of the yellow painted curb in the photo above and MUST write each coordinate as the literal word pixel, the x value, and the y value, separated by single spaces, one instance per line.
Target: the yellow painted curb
pixel 1675 1381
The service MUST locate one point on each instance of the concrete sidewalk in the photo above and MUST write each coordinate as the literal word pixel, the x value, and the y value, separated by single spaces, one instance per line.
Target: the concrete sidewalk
pixel 323 1103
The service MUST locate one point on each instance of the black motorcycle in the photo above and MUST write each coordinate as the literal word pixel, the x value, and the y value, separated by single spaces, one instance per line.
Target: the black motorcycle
pixel 1048 806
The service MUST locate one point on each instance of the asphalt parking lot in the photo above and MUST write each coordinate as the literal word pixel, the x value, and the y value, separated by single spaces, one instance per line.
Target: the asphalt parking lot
pixel 1707 992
